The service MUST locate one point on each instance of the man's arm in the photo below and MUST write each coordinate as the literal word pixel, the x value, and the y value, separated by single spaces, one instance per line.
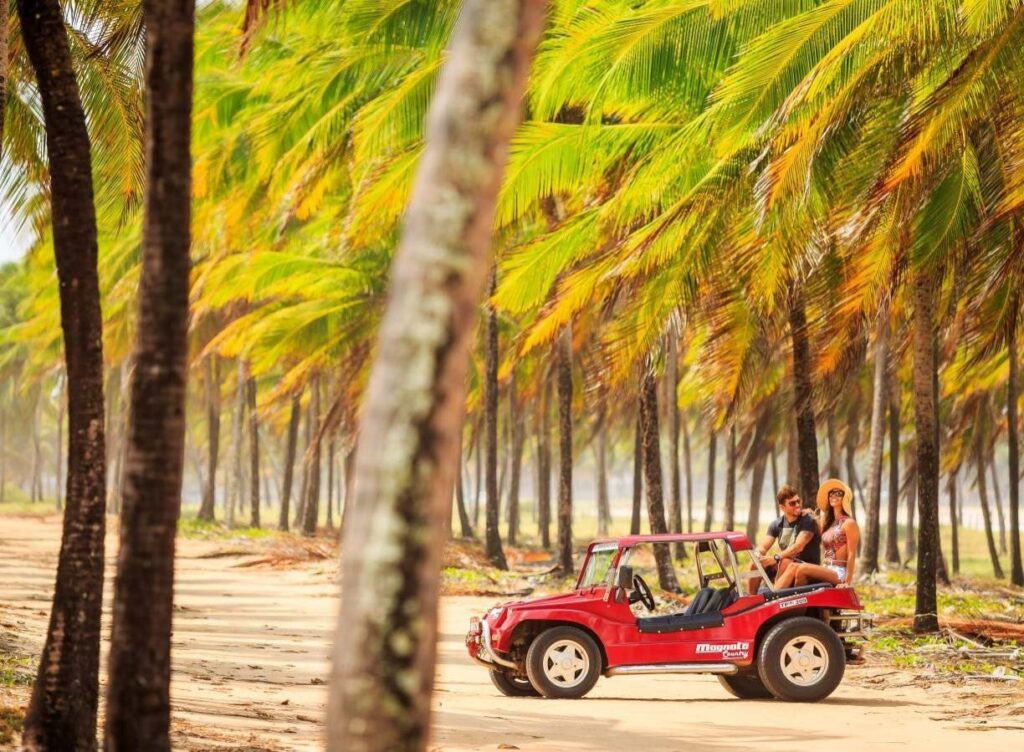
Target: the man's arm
pixel 798 545
pixel 762 550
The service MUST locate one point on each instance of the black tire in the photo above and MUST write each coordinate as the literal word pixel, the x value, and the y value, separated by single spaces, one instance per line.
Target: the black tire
pixel 817 644
pixel 512 686
pixel 746 686
pixel 569 681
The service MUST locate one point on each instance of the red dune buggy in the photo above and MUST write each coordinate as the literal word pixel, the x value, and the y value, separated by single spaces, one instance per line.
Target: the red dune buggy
pixel 790 644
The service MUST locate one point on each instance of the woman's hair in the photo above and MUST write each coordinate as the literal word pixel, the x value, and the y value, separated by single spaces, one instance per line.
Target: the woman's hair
pixel 828 517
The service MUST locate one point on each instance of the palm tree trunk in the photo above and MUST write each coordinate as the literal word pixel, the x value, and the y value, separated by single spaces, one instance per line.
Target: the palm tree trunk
pixel 951 491
pixel 879 397
pixel 36 494
pixel 709 508
pixel 59 449
pixel 311 505
pixel 756 487
pixel 330 486
pixel 807 442
pixel 565 560
pixel 688 466
pixel 986 514
pixel 638 482
pixel 3 448
pixel 999 503
pixel 460 499
pixel 833 447
pixel 941 571
pixel 544 467
pixel 237 428
pixel 478 484
pixel 775 470
pixel 730 479
pixel 652 477
pixel 4 64
pixel 211 366
pixel 1016 567
pixel 603 511
pixel 675 505
pixel 492 536
pixel 62 711
pixel 411 426
pixel 516 471
pixel 138 696
pixel 910 539
pixel 291 447
pixel 892 549
pixel 926 433
pixel 254 456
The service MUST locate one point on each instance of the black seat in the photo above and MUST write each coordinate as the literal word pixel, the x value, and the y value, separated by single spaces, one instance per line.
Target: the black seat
pixel 704 611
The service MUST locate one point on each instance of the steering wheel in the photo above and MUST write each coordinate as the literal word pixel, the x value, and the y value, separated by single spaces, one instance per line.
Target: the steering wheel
pixel 643 593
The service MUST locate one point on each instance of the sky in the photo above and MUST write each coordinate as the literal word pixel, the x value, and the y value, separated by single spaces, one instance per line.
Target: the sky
pixel 12 243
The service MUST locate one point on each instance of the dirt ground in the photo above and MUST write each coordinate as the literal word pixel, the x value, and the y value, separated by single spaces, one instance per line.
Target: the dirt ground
pixel 250 666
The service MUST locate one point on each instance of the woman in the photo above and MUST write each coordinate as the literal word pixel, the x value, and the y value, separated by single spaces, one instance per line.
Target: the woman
pixel 839 538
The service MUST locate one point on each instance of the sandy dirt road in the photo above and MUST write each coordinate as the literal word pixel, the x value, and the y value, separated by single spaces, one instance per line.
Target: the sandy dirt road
pixel 250 662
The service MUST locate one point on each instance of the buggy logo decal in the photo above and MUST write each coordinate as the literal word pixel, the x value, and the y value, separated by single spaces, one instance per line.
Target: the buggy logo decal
pixel 728 650
pixel 792 603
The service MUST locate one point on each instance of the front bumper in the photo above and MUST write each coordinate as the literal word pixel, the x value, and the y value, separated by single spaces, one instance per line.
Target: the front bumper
pixel 478 643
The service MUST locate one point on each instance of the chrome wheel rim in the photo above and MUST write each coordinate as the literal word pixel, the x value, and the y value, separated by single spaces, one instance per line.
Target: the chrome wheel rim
pixel 566 664
pixel 804 661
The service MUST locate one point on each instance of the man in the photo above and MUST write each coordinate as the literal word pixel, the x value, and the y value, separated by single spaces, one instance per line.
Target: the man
pixel 797 533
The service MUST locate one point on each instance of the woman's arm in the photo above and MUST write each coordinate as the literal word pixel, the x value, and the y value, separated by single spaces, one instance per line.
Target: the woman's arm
pixel 852 540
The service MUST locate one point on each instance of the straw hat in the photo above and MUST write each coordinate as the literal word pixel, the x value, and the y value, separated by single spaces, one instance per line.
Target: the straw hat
pixel 829 485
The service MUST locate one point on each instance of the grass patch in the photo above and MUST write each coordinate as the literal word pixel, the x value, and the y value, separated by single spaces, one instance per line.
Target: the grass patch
pixel 190 527
pixel 15 670
pixel 11 722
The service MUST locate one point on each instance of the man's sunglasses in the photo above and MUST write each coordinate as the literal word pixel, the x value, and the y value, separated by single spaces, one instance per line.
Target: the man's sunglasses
pixel 794 502
pixel 837 492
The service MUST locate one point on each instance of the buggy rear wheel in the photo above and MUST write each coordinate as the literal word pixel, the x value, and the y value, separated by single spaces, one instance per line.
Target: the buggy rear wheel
pixel 801 660
pixel 746 686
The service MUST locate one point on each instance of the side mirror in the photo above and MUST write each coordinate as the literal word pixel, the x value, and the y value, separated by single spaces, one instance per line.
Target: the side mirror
pixel 625 580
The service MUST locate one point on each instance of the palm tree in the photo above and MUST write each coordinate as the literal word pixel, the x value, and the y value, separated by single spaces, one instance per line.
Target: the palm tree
pixel 880 393
pixel 212 379
pixel 413 409
pixel 138 704
pixel 565 559
pixel 70 657
pixel 291 445
pixel 492 538
pixel 1012 393
pixel 652 477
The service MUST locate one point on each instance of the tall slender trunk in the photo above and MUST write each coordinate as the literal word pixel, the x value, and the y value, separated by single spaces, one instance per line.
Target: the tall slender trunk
pixel 330 485
pixel 516 470
pixel 544 466
pixel 59 448
pixel 709 508
pixel 138 695
pixel 492 536
pixel 460 498
pixel 237 429
pixel 565 451
pixel 254 455
pixel 62 711
pixel 311 505
pixel 775 470
pixel 792 456
pixel 953 521
pixel 290 449
pixel 756 487
pixel 730 479
pixel 910 539
pixel 3 435
pixel 986 514
pixel 1016 567
pixel 350 474
pixel 211 368
pixel 879 398
pixel 652 477
pixel 411 427
pixel 4 63
pixel 638 482
pixel 941 571
pixel 308 431
pixel 833 447
pixel 892 549
pixel 688 465
pixel 36 493
pixel 926 433
pixel 852 440
pixel 675 505
pixel 601 451
pixel 998 492
pixel 807 442
pixel 478 484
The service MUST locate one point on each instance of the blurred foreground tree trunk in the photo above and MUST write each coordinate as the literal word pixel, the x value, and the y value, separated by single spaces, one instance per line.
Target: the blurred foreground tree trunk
pixel 383 669
pixel 61 714
pixel 138 692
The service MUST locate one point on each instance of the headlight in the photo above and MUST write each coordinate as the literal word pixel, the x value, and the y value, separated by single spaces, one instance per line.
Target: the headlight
pixel 495 613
